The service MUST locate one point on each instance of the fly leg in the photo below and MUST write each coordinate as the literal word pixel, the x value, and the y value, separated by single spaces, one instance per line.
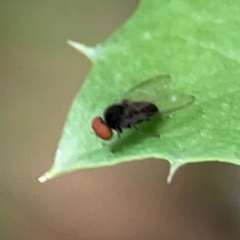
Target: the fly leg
pixel 166 117
pixel 119 135
pixel 119 131
pixel 150 135
pixel 113 148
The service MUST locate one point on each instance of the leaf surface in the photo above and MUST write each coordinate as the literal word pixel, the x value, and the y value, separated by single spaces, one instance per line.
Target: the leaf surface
pixel 198 45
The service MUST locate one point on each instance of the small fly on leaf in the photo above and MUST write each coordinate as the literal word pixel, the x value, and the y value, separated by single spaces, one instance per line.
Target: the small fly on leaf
pixel 151 98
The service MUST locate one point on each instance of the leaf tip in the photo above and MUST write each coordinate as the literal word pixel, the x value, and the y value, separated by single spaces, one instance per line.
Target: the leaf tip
pixel 173 169
pixel 45 177
pixel 89 52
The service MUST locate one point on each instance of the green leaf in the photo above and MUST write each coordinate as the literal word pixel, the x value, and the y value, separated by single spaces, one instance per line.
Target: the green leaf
pixel 198 44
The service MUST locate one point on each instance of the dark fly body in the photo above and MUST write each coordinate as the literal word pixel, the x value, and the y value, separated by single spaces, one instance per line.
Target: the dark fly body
pixel 127 114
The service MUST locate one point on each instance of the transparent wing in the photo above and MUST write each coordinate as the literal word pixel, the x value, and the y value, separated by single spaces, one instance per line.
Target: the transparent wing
pixel 149 89
pixel 173 101
pixel 157 90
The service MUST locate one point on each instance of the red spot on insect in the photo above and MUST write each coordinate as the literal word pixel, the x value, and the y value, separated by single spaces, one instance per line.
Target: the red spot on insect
pixel 101 129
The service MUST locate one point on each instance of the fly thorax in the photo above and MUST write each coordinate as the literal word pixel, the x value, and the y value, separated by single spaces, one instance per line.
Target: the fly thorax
pixel 113 116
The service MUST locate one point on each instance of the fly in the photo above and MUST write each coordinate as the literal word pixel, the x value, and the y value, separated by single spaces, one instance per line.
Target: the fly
pixel 153 97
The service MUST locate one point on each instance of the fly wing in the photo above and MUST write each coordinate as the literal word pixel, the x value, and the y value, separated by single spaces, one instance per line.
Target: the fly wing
pixel 149 89
pixel 172 101
pixel 157 91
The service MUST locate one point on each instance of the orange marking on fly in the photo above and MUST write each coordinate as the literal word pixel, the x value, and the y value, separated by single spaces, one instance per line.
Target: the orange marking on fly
pixel 101 129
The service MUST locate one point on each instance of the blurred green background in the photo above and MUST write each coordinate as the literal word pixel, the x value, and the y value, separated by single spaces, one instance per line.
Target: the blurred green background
pixel 40 75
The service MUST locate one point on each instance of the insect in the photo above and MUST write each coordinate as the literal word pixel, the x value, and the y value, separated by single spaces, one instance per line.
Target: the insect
pixel 153 97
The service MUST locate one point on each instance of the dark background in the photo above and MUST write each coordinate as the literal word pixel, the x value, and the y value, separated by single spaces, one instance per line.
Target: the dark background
pixel 40 76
